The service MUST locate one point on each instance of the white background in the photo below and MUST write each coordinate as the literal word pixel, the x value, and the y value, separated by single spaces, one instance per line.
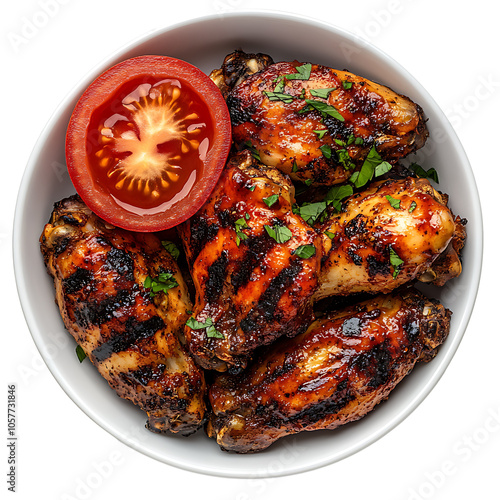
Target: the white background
pixel 447 448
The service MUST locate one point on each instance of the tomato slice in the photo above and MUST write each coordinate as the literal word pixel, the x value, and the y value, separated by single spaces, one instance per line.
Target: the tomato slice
pixel 147 141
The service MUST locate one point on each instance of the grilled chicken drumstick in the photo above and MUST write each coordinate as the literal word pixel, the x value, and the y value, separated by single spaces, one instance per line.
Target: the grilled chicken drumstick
pixel 315 123
pixel 132 338
pixel 334 373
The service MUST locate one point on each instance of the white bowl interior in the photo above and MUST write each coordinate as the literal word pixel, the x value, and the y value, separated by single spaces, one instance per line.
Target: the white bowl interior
pixel 204 43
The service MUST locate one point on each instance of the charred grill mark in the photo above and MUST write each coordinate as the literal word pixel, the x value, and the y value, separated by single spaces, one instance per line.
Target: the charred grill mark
pixel 238 113
pixel 61 246
pixel 266 307
pixel 145 374
pixel 92 312
pixel 357 259
pixel 337 129
pixel 376 266
pixel 134 331
pixel 120 261
pixel 202 232
pixel 321 410
pixel 412 329
pixel 257 247
pixel 78 280
pixel 356 226
pixel 216 277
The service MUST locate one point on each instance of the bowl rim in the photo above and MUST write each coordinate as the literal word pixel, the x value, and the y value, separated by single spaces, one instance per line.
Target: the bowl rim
pixel 22 280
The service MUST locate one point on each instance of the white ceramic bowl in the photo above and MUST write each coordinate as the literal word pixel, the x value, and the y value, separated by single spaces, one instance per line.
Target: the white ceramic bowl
pixel 204 42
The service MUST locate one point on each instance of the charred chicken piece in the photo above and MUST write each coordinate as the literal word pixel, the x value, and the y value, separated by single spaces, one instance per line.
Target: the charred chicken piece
pixel 334 373
pixel 132 338
pixel 254 265
pixel 318 124
pixel 391 233
pixel 236 67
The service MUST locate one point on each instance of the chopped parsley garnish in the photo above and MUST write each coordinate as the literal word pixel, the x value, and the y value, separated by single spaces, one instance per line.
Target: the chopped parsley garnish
pixel 253 150
pixel 308 182
pixel 345 159
pixel 322 93
pixel 346 85
pixel 279 96
pixel 311 212
pixel 373 166
pixel 281 234
pixel 80 353
pixel 320 133
pixel 326 150
pixel 324 108
pixel 426 174
pixel 294 166
pixel 303 73
pixel 251 187
pixel 305 251
pixel 330 234
pixel 396 262
pixel 171 248
pixel 413 206
pixel 162 283
pixel 239 225
pixel 395 203
pixel 271 200
pixel 212 332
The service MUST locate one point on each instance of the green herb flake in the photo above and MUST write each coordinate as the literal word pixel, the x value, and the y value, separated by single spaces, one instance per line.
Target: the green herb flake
pixel 324 108
pixel 330 234
pixel 395 203
pixel 294 167
pixel 372 166
pixel 212 332
pixel 308 182
pixel 251 187
pixel 303 73
pixel 396 262
pixel 80 353
pixel 162 283
pixel 280 234
pixel 320 133
pixel 271 200
pixel 253 150
pixel 336 194
pixel 322 93
pixel 171 248
pixel 305 251
pixel 239 225
pixel 279 96
pixel 413 206
pixel 426 174
pixel 346 85
pixel 326 150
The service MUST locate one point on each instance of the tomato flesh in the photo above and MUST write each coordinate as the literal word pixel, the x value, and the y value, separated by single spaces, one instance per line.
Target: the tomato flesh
pixel 147 141
pixel 150 143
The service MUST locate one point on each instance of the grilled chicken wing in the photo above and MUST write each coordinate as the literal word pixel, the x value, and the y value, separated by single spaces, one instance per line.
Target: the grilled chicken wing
pixel 389 234
pixel 254 265
pixel 131 338
pixel 316 123
pixel 236 67
pixel 334 373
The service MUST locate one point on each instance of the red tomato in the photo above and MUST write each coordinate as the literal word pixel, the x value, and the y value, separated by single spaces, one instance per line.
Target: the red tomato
pixel 147 141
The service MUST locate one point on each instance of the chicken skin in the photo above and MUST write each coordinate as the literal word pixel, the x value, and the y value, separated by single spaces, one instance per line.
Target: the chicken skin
pixel 386 235
pixel 122 297
pixel 315 123
pixel 336 372
pixel 254 265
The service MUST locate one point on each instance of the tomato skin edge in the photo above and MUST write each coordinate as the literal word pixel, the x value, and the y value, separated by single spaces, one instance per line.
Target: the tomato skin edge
pixel 101 89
